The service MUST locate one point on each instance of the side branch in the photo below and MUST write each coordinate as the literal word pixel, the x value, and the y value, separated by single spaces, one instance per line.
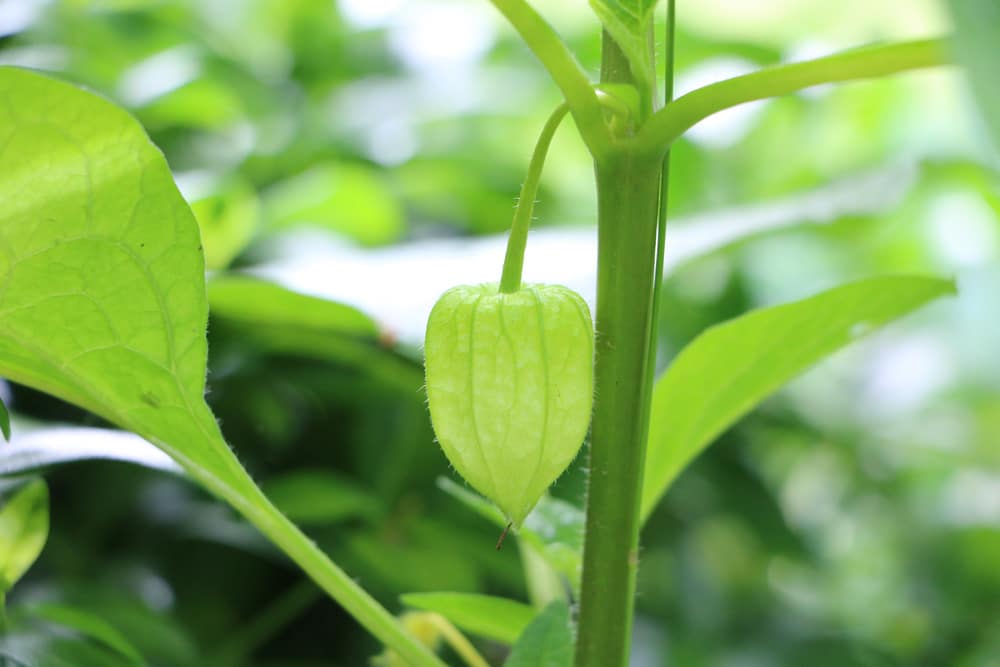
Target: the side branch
pixel 567 73
pixel 669 123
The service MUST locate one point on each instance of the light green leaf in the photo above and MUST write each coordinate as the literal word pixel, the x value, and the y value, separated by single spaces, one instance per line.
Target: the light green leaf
pixel 24 527
pixel 4 421
pixel 90 625
pixel 733 366
pixel 628 22
pixel 283 321
pixel 547 641
pixel 318 497
pixel 554 529
pixel 349 199
pixel 491 617
pixel 102 293
pixel 977 43
pixel 103 300
pixel 228 221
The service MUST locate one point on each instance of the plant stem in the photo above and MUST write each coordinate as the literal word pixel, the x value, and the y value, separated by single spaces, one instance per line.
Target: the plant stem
pixel 669 123
pixel 354 599
pixel 567 73
pixel 628 186
pixel 627 190
pixel 513 263
pixel 661 226
pixel 247 498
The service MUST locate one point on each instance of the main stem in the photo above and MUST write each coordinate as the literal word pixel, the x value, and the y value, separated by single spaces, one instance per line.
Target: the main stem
pixel 628 186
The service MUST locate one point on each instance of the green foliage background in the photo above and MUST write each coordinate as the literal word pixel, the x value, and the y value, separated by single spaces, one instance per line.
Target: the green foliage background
pixel 851 520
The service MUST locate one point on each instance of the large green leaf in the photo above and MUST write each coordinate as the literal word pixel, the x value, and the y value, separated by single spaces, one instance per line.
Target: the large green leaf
pixel 731 367
pixel 977 43
pixel 102 289
pixel 24 527
pixel 547 641
pixel 103 300
pixel 491 617
pixel 628 22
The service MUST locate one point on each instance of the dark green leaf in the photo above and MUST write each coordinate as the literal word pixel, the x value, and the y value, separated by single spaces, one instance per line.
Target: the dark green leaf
pixel 42 647
pixel 547 641
pixel 24 527
pixel 491 617
pixel 90 625
pixel 733 366
pixel 318 497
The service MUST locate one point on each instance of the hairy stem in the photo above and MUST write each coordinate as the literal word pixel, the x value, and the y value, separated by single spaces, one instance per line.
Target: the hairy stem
pixel 628 186
pixel 661 226
pixel 628 190
pixel 669 123
pixel 247 498
pixel 513 263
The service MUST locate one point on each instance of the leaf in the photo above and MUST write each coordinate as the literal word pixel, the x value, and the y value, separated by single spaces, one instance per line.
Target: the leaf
pixel 320 498
pixel 731 367
pixel 547 641
pixel 628 22
pixel 253 302
pixel 227 220
pixel 491 617
pixel 156 634
pixel 103 300
pixel 283 321
pixel 24 528
pixel 554 529
pixel 102 293
pixel 90 625
pixel 348 199
pixel 43 648
pixel 4 421
pixel 46 447
pixel 977 44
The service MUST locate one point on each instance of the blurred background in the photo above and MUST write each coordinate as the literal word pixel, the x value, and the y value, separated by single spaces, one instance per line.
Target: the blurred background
pixel 369 152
